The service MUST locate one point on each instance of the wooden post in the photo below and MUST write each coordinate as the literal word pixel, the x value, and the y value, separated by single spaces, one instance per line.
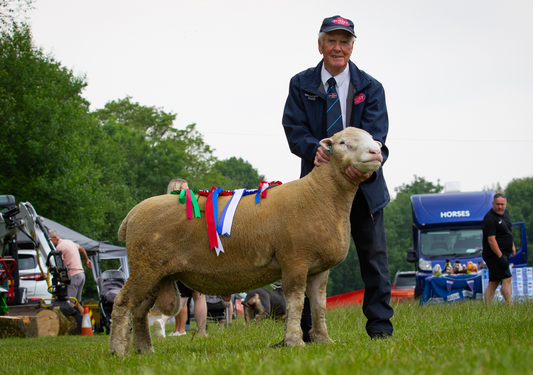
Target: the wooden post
pixel 18 326
pixel 47 323
pixel 67 324
pixel 44 323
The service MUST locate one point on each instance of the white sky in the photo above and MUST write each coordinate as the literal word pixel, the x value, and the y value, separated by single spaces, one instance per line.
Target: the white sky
pixel 458 74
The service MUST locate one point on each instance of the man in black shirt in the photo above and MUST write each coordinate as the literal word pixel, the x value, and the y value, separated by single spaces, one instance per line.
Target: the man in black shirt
pixel 498 247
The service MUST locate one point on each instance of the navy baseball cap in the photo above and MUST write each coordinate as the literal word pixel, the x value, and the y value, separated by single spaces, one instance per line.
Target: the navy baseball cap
pixel 337 23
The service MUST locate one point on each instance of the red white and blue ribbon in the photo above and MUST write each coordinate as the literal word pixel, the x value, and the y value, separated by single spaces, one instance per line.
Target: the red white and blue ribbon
pixel 226 219
pixel 211 209
pixel 263 185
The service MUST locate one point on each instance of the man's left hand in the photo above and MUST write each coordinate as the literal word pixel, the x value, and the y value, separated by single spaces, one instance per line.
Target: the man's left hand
pixel 89 263
pixel 355 176
pixel 352 174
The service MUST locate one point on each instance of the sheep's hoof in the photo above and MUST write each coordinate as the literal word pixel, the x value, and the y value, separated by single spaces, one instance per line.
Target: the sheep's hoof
pixel 291 343
pixel 119 352
pixel 144 350
pixel 320 338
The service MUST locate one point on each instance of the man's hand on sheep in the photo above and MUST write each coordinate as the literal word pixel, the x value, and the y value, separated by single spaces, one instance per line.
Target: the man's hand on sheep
pixel 352 174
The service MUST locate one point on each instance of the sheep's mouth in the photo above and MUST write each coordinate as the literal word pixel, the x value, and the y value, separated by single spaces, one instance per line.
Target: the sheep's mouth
pixel 373 161
pixel 370 165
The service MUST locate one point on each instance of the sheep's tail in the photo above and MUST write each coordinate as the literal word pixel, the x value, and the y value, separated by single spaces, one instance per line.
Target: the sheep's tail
pixel 122 230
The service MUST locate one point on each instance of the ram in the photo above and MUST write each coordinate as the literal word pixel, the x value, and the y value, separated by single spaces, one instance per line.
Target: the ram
pixel 296 234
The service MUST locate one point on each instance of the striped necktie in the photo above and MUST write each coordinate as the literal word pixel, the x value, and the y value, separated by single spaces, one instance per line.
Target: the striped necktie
pixel 333 113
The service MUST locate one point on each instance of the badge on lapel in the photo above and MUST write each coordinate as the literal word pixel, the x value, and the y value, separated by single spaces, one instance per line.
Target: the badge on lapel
pixel 359 98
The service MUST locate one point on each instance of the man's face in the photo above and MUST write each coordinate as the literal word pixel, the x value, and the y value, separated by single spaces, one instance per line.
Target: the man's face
pixel 55 240
pixel 499 205
pixel 336 47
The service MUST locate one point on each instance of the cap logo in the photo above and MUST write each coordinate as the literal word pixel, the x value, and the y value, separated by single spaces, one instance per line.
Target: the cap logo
pixel 359 98
pixel 341 21
pixel 332 95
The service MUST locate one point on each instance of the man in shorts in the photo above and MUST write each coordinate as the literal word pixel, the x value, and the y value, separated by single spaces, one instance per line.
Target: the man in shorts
pixel 498 247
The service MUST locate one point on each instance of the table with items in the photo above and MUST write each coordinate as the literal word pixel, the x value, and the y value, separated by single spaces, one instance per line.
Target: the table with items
pixel 452 288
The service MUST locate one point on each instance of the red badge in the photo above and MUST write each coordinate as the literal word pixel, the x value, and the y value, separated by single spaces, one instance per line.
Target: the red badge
pixel 341 21
pixel 332 95
pixel 359 98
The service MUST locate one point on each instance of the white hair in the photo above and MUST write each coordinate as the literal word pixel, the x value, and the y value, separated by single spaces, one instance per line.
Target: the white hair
pixel 322 34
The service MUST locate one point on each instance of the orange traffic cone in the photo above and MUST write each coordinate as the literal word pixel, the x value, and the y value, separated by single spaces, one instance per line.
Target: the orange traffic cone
pixel 86 327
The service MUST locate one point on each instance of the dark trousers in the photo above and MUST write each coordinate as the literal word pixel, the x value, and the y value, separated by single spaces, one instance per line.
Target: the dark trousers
pixel 368 233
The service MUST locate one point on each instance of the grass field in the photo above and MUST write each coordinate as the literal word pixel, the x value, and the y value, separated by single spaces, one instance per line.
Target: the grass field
pixel 465 338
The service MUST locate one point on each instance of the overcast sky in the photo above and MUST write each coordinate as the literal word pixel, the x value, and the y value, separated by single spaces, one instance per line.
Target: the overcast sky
pixel 458 75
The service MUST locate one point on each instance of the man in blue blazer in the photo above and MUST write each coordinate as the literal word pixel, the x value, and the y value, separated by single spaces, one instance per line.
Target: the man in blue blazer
pixel 362 102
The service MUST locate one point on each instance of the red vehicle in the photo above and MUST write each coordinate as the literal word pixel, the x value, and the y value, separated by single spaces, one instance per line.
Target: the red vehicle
pixel 403 287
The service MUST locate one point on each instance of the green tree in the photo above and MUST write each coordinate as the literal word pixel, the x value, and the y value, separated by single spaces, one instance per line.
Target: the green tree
pixel 398 222
pixel 419 186
pixel 155 151
pixel 239 174
pixel 45 137
pixel 519 193
pixel 13 14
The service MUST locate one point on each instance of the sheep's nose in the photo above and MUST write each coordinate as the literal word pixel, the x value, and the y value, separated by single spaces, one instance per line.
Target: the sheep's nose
pixel 376 151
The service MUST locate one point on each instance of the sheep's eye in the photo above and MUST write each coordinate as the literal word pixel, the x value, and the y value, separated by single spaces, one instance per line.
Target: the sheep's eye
pixel 341 142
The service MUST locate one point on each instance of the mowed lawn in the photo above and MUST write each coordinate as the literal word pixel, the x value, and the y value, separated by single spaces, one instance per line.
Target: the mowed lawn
pixel 464 338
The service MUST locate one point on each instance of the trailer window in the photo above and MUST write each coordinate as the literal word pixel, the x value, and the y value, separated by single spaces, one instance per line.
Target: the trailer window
pixel 454 242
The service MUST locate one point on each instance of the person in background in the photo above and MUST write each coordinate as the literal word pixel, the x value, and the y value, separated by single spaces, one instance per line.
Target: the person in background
pixel 214 304
pixel 200 306
pixel 306 121
pixel 498 247
pixel 71 254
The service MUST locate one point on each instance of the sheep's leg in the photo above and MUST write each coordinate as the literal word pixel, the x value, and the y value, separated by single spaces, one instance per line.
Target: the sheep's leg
pixel 316 291
pixel 119 339
pixel 267 309
pixel 248 314
pixel 142 341
pixel 134 295
pixel 294 287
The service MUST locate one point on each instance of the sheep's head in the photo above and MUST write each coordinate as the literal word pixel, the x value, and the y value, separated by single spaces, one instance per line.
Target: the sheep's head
pixel 354 147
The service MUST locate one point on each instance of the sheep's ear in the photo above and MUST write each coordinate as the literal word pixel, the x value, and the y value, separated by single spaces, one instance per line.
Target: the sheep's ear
pixel 326 143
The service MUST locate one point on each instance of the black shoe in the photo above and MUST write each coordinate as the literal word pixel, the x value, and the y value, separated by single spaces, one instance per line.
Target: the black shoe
pixel 380 336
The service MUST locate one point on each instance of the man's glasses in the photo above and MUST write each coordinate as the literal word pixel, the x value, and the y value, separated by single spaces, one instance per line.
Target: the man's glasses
pixel 499 195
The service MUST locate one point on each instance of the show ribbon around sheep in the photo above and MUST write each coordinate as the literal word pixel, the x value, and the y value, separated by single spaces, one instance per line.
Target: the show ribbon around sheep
pixel 226 218
pixel 269 240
